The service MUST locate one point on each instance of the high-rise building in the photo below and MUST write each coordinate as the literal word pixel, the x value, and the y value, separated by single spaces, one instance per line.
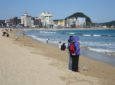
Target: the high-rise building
pixel 15 21
pixel 26 20
pixel 46 19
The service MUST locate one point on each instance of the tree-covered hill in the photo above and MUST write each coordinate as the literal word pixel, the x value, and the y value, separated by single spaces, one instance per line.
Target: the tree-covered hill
pixel 80 14
pixel 111 23
pixel 108 24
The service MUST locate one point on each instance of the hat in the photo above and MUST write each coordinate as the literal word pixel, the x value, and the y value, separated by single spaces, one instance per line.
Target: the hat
pixel 76 38
pixel 71 38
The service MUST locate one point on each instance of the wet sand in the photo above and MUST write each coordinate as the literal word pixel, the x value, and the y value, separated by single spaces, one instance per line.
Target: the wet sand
pixel 31 62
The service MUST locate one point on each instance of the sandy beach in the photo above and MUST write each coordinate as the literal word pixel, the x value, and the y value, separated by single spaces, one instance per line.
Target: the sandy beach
pixel 28 62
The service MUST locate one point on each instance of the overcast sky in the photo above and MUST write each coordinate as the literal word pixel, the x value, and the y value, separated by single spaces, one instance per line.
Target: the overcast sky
pixel 97 10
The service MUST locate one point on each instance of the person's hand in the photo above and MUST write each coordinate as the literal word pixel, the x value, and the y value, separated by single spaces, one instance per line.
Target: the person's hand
pixel 73 54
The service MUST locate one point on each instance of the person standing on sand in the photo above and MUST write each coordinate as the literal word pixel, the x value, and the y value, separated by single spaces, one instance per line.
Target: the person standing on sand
pixel 75 52
pixel 24 34
pixel 75 58
pixel 70 40
pixel 7 34
pixel 16 38
pixel 4 33
pixel 60 45
pixel 47 40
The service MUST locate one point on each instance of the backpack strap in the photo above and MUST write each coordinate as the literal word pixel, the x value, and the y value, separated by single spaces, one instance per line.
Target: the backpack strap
pixel 72 49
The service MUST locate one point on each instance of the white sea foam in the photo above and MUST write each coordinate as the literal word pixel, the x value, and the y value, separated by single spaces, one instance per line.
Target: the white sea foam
pixel 97 44
pixel 100 50
pixel 86 35
pixel 37 38
pixel 43 40
pixel 72 33
pixel 47 32
pixel 96 35
pixel 56 43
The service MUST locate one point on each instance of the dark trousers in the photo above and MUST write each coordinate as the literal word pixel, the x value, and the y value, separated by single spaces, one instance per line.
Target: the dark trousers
pixel 75 62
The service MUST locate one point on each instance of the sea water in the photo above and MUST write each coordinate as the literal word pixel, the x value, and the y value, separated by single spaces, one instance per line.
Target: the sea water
pixel 97 44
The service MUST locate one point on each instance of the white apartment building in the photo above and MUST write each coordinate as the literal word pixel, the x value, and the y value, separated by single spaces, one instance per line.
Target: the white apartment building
pixel 81 22
pixel 46 19
pixel 26 20
pixel 73 22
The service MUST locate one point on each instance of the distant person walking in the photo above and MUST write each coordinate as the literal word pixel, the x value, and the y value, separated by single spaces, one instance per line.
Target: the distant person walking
pixel 47 40
pixel 7 34
pixel 16 38
pixel 24 34
pixel 74 50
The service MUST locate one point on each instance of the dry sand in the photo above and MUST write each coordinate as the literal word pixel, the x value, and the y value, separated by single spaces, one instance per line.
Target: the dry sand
pixel 27 62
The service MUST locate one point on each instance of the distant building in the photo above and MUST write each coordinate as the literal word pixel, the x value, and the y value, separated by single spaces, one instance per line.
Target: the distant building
pixel 59 23
pixel 80 22
pixel 13 21
pixel 104 26
pixel 2 23
pixel 36 22
pixel 46 19
pixel 55 22
pixel 26 20
pixel 67 23
pixel 7 23
pixel 71 22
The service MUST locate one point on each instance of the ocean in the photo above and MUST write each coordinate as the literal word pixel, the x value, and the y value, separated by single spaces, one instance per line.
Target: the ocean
pixel 96 44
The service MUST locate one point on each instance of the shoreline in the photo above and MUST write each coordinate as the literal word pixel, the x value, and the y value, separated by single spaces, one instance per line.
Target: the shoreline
pixel 96 69
pixel 92 28
pixel 85 51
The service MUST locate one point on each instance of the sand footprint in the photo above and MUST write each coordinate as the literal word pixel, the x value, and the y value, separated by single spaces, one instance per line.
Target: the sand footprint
pixel 77 81
pixel 81 83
